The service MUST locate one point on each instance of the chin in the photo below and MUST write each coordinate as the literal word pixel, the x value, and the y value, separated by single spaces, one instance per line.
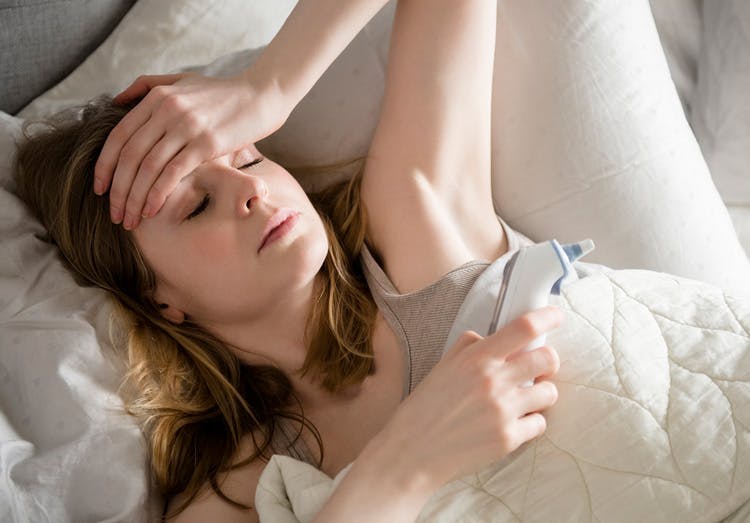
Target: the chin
pixel 308 255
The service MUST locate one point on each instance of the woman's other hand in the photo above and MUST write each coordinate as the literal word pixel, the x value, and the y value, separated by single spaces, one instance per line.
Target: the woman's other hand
pixel 472 408
pixel 182 121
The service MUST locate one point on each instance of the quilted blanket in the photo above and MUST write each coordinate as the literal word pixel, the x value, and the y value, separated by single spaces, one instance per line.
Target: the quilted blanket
pixel 652 421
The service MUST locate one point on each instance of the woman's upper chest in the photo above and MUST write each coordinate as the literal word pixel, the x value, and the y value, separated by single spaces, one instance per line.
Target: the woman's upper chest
pixel 346 426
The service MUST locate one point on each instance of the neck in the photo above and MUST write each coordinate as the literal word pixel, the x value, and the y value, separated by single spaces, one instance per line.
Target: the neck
pixel 278 339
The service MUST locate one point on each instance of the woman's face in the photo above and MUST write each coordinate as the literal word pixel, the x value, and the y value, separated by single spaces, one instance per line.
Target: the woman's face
pixel 205 244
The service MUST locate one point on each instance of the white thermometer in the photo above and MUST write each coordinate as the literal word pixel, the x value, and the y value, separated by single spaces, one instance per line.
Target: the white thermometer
pixel 530 275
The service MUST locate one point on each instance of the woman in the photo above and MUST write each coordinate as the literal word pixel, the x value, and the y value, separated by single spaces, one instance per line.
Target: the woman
pixel 253 325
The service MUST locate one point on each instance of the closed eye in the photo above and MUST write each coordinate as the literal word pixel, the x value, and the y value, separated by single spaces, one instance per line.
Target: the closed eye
pixel 200 208
pixel 256 161
pixel 204 203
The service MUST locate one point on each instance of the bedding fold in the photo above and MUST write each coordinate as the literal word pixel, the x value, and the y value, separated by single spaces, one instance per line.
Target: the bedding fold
pixel 652 421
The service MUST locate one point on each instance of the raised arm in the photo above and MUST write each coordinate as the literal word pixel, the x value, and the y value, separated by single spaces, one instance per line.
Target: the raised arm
pixel 314 34
pixel 185 120
pixel 428 167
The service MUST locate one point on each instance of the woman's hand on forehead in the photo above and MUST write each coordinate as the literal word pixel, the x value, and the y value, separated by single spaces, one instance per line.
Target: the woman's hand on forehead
pixel 182 121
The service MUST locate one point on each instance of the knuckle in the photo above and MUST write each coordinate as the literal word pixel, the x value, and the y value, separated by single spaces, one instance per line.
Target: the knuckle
pixel 148 165
pixel 174 103
pixel 193 122
pixel 486 382
pixel 547 358
pixel 469 336
pixel 117 196
pixel 161 91
pixel 128 151
pixel 154 200
pixel 529 326
pixel 466 339
pixel 170 175
pixel 118 134
pixel 156 194
pixel 210 143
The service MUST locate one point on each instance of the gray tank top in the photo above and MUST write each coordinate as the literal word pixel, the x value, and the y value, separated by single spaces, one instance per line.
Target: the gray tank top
pixel 421 321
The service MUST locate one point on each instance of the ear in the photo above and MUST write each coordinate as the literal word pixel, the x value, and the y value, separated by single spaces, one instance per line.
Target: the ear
pixel 171 313
pixel 167 310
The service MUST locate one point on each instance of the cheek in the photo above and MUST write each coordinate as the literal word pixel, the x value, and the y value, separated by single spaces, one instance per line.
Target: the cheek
pixel 211 246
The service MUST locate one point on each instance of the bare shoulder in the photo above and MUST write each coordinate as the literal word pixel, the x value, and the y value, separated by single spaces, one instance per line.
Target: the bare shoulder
pixel 238 485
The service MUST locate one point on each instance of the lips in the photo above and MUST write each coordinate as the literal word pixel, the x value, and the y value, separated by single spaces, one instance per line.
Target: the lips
pixel 276 219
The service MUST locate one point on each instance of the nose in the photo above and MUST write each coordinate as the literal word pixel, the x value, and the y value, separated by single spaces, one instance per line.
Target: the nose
pixel 250 191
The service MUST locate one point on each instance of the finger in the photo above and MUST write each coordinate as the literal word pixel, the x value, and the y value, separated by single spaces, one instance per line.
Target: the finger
pixel 523 367
pixel 143 84
pixel 463 341
pixel 118 137
pixel 538 397
pixel 197 151
pixel 523 330
pixel 167 181
pixel 529 427
pixel 148 172
pixel 127 166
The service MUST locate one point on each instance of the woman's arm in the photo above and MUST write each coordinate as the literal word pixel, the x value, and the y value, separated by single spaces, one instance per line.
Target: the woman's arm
pixel 428 167
pixel 185 120
pixel 468 412
pixel 314 34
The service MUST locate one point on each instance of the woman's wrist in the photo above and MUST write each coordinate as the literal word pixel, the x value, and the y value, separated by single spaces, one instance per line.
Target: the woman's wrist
pixel 383 485
pixel 392 459
pixel 310 39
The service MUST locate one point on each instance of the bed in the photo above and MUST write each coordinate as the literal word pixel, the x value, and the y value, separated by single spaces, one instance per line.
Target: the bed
pixel 624 122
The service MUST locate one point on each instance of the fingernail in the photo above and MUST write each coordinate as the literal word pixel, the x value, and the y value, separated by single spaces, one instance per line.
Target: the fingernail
pixel 98 187
pixel 147 211
pixel 128 223
pixel 116 214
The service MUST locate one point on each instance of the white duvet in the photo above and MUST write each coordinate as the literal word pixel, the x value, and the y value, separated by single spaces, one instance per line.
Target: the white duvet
pixel 652 422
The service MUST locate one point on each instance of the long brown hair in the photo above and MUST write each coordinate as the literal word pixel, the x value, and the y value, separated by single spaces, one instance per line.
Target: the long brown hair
pixel 188 390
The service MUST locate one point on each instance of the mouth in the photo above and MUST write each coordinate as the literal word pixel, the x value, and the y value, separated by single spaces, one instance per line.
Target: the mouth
pixel 281 222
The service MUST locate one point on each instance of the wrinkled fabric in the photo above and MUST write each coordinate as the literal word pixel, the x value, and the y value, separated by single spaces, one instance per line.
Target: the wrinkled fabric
pixel 652 423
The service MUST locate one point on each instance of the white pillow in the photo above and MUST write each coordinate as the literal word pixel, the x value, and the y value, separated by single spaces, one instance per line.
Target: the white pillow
pixel 721 112
pixel 67 450
pixel 590 140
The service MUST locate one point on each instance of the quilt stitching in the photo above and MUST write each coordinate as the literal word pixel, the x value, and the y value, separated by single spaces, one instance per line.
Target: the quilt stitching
pixel 642 474
pixel 595 329
pixel 614 357
pixel 482 488
pixel 732 417
pixel 660 315
pixel 681 354
pixel 734 314
pixel 580 472
pixel 531 475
